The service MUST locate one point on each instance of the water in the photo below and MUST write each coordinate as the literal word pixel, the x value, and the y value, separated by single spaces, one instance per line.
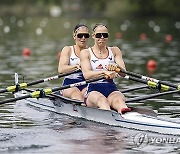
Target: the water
pixel 25 129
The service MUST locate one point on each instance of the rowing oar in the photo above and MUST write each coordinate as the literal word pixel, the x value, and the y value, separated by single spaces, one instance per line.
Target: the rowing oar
pixel 44 92
pixel 141 110
pixel 65 99
pixel 135 88
pixel 151 96
pixel 151 82
pixel 25 85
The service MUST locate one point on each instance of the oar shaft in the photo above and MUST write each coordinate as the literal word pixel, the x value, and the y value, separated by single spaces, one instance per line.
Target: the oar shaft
pixel 148 78
pixel 77 84
pixel 43 80
pixel 135 79
pixel 136 99
pixel 21 86
pixel 151 84
pixel 15 99
pixel 3 90
pixel 135 88
pixel 51 78
pixel 154 83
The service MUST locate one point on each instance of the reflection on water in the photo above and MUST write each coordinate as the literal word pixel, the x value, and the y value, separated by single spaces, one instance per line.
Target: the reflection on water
pixel 25 129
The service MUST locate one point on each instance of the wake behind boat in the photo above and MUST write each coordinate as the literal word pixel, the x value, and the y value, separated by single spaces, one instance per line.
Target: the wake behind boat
pixel 130 120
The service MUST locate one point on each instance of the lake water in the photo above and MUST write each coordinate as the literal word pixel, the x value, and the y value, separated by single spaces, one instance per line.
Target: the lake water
pixel 25 129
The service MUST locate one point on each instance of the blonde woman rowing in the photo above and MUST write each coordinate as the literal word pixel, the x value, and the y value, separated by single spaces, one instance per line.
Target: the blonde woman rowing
pixel 102 60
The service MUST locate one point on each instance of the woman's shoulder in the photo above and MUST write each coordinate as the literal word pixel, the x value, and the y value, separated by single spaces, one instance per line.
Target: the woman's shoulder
pixel 66 51
pixel 67 48
pixel 85 52
pixel 114 48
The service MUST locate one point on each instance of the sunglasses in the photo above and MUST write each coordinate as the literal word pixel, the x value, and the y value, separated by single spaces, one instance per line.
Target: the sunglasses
pixel 99 35
pixel 80 35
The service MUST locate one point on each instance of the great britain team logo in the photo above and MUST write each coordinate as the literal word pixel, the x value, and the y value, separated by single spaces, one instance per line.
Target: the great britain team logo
pixel 100 66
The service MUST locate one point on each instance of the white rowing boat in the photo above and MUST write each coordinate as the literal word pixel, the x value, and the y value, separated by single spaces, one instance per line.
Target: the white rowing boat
pixel 131 120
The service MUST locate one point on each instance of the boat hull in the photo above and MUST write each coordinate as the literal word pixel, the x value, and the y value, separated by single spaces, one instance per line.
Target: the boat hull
pixel 131 120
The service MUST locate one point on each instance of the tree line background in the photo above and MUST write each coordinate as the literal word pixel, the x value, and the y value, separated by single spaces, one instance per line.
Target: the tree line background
pixel 93 8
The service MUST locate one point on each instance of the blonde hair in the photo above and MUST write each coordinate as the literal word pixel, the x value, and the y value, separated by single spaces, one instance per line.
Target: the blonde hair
pixel 98 25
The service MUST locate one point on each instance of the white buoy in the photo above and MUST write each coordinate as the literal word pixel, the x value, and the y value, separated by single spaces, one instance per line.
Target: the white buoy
pixel 55 11
pixel 39 31
pixel 6 29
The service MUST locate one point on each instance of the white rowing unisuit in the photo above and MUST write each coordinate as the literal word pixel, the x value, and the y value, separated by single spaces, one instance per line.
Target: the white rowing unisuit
pixel 99 64
pixel 75 77
pixel 74 60
pixel 105 87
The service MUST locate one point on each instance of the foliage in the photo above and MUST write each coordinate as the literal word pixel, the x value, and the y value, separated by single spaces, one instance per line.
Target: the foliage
pixel 100 8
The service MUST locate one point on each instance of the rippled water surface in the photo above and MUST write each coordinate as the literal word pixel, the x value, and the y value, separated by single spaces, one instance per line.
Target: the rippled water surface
pixel 25 129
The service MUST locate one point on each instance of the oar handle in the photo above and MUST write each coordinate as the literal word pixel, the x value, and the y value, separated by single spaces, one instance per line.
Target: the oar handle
pixel 118 70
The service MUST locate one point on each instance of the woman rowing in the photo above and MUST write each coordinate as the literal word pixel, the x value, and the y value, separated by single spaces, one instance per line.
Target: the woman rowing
pixel 101 60
pixel 70 61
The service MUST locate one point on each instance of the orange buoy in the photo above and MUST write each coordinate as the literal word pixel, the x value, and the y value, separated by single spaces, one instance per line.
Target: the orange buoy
pixel 26 52
pixel 118 35
pixel 143 36
pixel 151 64
pixel 168 38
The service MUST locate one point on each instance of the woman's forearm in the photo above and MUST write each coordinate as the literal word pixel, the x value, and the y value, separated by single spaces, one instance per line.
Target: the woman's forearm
pixel 93 74
pixel 67 68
